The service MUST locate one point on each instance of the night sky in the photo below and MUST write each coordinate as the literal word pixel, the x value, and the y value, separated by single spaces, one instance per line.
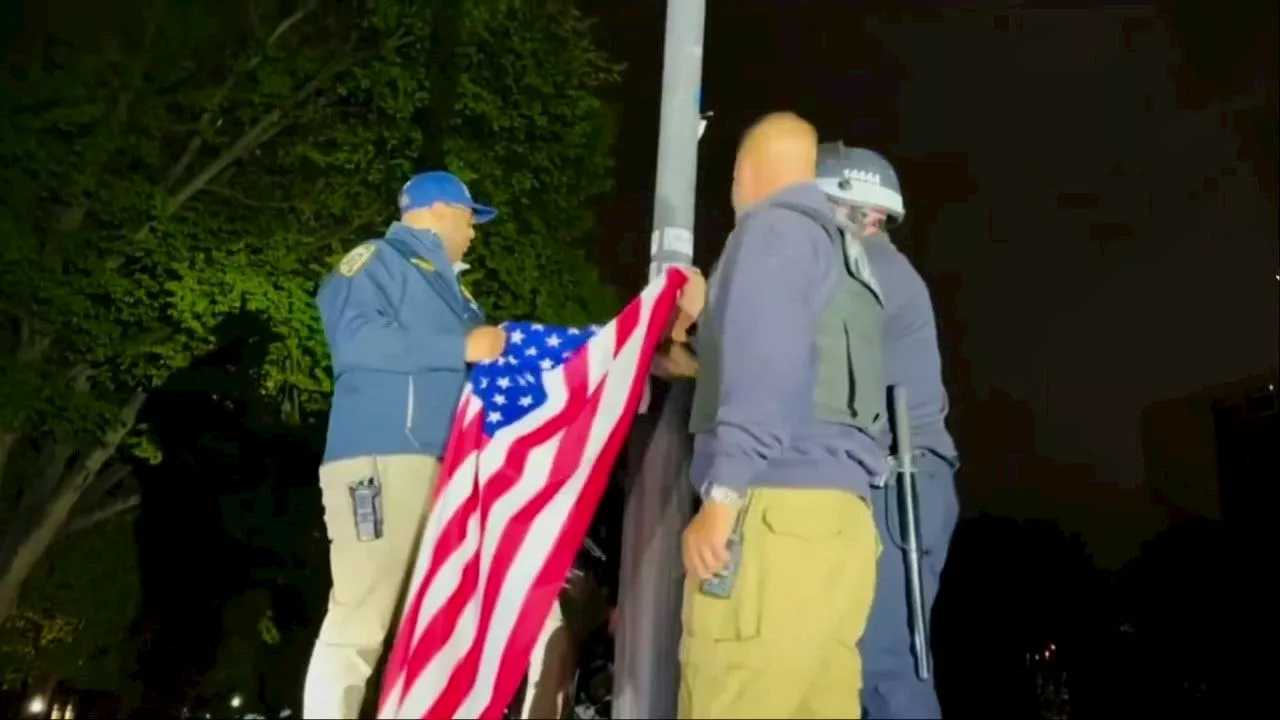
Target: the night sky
pixel 1091 196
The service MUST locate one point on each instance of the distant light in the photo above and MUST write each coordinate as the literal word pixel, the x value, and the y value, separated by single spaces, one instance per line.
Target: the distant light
pixel 236 701
pixel 37 705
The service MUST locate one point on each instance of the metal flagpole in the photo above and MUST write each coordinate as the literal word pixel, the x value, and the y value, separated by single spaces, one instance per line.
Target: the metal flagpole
pixel 659 500
pixel 678 124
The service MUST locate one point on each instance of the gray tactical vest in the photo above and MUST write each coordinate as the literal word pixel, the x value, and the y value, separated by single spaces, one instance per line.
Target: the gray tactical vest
pixel 850 388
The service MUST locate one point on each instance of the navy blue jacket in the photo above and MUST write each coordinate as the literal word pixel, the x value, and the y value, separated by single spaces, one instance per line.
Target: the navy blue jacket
pixel 768 293
pixel 912 359
pixel 396 319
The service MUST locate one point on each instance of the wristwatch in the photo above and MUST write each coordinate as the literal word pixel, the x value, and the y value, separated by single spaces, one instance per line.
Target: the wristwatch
pixel 723 495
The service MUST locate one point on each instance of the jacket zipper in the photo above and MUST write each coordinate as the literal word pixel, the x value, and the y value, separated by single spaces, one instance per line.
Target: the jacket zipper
pixel 408 415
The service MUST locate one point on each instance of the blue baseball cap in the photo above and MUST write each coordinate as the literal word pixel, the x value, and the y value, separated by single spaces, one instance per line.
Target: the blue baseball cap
pixel 426 189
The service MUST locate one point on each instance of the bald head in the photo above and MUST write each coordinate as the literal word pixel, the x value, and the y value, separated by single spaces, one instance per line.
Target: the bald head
pixel 783 138
pixel 779 150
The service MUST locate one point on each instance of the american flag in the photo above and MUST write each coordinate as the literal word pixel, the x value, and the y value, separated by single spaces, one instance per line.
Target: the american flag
pixel 535 435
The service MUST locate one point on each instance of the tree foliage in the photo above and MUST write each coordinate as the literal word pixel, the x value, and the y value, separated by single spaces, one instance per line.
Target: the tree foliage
pixel 184 161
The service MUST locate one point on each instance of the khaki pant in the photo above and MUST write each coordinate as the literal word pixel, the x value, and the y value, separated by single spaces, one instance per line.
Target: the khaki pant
pixel 784 644
pixel 548 694
pixel 368 577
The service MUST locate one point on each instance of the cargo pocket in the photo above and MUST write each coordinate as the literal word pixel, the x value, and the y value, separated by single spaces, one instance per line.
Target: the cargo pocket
pixel 720 621
pixel 809 543
pixel 719 647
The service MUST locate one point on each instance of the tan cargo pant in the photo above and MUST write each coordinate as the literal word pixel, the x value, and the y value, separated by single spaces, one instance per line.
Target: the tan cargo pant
pixel 368 577
pixel 784 644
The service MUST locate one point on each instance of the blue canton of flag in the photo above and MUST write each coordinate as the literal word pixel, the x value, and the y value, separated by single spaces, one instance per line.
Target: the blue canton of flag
pixel 511 386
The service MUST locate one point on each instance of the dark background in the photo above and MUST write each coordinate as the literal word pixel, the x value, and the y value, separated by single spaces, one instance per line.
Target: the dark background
pixel 1092 198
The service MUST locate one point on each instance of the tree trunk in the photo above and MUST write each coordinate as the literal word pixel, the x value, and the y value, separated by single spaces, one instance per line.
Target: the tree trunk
pixel 26 552
pixel 33 547
pixel 102 514
pixel 435 117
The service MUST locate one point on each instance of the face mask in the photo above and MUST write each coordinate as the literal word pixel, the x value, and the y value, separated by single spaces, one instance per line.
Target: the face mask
pixel 851 219
pixel 844 216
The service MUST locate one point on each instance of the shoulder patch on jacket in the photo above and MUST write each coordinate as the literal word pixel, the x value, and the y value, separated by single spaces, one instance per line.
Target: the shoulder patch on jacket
pixel 356 259
pixel 424 264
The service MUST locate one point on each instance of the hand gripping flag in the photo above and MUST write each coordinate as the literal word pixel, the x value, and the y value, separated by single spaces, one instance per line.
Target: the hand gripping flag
pixel 535 435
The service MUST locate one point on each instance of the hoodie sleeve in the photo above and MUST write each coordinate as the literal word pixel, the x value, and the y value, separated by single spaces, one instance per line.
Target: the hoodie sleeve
pixel 360 321
pixel 765 315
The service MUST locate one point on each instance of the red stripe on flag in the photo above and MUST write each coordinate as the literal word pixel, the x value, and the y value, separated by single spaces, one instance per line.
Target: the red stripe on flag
pixel 515 531
pixel 549 581
pixel 571 425
pixel 397 663
pixel 520 647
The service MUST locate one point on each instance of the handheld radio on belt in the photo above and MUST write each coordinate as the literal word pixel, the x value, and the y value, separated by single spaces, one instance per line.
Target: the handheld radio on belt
pixel 721 584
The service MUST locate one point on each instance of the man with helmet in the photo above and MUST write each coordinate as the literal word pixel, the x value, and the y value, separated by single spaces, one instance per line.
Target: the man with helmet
pixel 866 191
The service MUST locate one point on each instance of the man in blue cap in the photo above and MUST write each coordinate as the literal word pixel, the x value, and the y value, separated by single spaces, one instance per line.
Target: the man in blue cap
pixel 402 332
